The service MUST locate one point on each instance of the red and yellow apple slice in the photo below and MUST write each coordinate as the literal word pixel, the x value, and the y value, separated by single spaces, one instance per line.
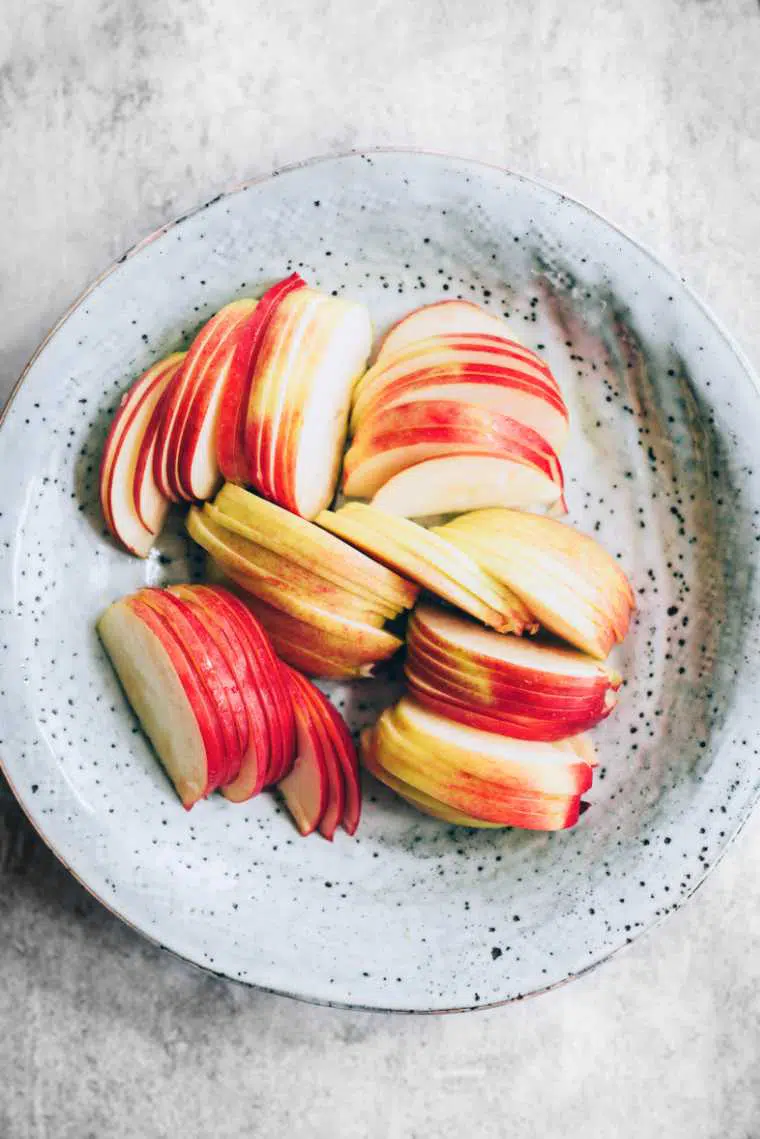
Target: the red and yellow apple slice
pixel 168 697
pixel 444 318
pixel 133 507
pixel 231 449
pixel 575 588
pixel 184 462
pixel 412 433
pixel 313 351
pixel 308 546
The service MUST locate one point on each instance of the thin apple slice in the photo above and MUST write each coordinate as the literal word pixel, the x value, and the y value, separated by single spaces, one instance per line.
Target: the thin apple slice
pixel 456 483
pixel 316 704
pixel 425 803
pixel 443 318
pixel 167 697
pixel 212 667
pixel 346 524
pixel 315 434
pixel 575 588
pixel 260 560
pixel 305 787
pixel 272 689
pixel 443 558
pixel 348 761
pixel 233 409
pixel 150 504
pixel 133 507
pixel 309 546
pixel 414 432
pixel 314 650
pixel 203 351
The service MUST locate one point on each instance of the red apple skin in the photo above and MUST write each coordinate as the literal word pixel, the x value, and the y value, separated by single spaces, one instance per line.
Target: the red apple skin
pixel 273 687
pixel 314 703
pixel 231 640
pixel 309 769
pixel 231 435
pixel 205 712
pixel 469 342
pixel 348 759
pixel 213 670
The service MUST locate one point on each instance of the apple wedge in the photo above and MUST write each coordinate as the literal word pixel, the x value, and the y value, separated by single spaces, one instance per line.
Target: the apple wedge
pixel 447 318
pixel 133 507
pixel 411 433
pixel 308 546
pixel 167 696
pixel 476 594
pixel 191 409
pixel 425 803
pixel 233 408
pixel 305 788
pixel 457 483
pixel 348 761
pixel 575 588
pixel 316 705
pixel 314 349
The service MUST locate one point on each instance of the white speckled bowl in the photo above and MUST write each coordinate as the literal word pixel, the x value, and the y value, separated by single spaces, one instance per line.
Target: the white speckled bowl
pixel 411 914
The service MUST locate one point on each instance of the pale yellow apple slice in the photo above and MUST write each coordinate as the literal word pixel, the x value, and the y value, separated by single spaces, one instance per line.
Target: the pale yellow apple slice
pixel 441 556
pixel 443 318
pixel 557 607
pixel 406 562
pixel 456 483
pixel 314 448
pixel 425 803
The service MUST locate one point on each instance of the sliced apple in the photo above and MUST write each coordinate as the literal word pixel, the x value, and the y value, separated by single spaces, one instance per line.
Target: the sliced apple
pixel 190 397
pixel 133 507
pixel 348 523
pixel 305 788
pixel 571 583
pixel 412 433
pixel 309 546
pixel 345 751
pixel 425 803
pixel 231 432
pixel 316 704
pixel 167 697
pixel 212 666
pixel 443 318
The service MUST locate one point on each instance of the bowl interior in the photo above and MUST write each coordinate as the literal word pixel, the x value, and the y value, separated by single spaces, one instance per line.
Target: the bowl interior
pixel 410 914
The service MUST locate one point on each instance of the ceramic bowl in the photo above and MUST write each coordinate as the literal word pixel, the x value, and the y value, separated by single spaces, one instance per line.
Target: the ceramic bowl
pixel 410 914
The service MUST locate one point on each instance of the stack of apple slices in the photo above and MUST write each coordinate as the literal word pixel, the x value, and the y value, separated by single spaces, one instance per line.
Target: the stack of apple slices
pixel 223 712
pixel 470 777
pixel 262 397
pixel 572 584
pixel 432 562
pixel 323 603
pixel 530 690
pixel 456 415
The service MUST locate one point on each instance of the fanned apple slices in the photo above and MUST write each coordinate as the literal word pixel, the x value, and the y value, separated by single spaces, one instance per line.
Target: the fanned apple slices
pixel 426 558
pixel 481 775
pixel 322 790
pixel 323 603
pixel 313 351
pixel 133 506
pixel 525 689
pixel 574 587
pixel 221 710
pixel 456 414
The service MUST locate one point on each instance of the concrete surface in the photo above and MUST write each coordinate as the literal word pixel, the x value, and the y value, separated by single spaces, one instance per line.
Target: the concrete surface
pixel 116 115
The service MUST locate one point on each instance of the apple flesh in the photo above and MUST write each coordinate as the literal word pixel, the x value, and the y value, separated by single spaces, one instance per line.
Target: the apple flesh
pixel 575 588
pixel 305 787
pixel 432 566
pixel 412 433
pixel 167 696
pixel 133 507
pixel 443 318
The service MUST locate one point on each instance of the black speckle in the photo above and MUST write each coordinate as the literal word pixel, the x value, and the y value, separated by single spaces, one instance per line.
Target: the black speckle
pixel 495 952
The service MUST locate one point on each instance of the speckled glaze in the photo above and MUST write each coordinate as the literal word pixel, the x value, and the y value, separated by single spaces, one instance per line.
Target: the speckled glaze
pixel 410 914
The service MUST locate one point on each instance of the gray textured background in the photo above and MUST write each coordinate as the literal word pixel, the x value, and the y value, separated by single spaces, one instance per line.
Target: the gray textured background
pixel 116 115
